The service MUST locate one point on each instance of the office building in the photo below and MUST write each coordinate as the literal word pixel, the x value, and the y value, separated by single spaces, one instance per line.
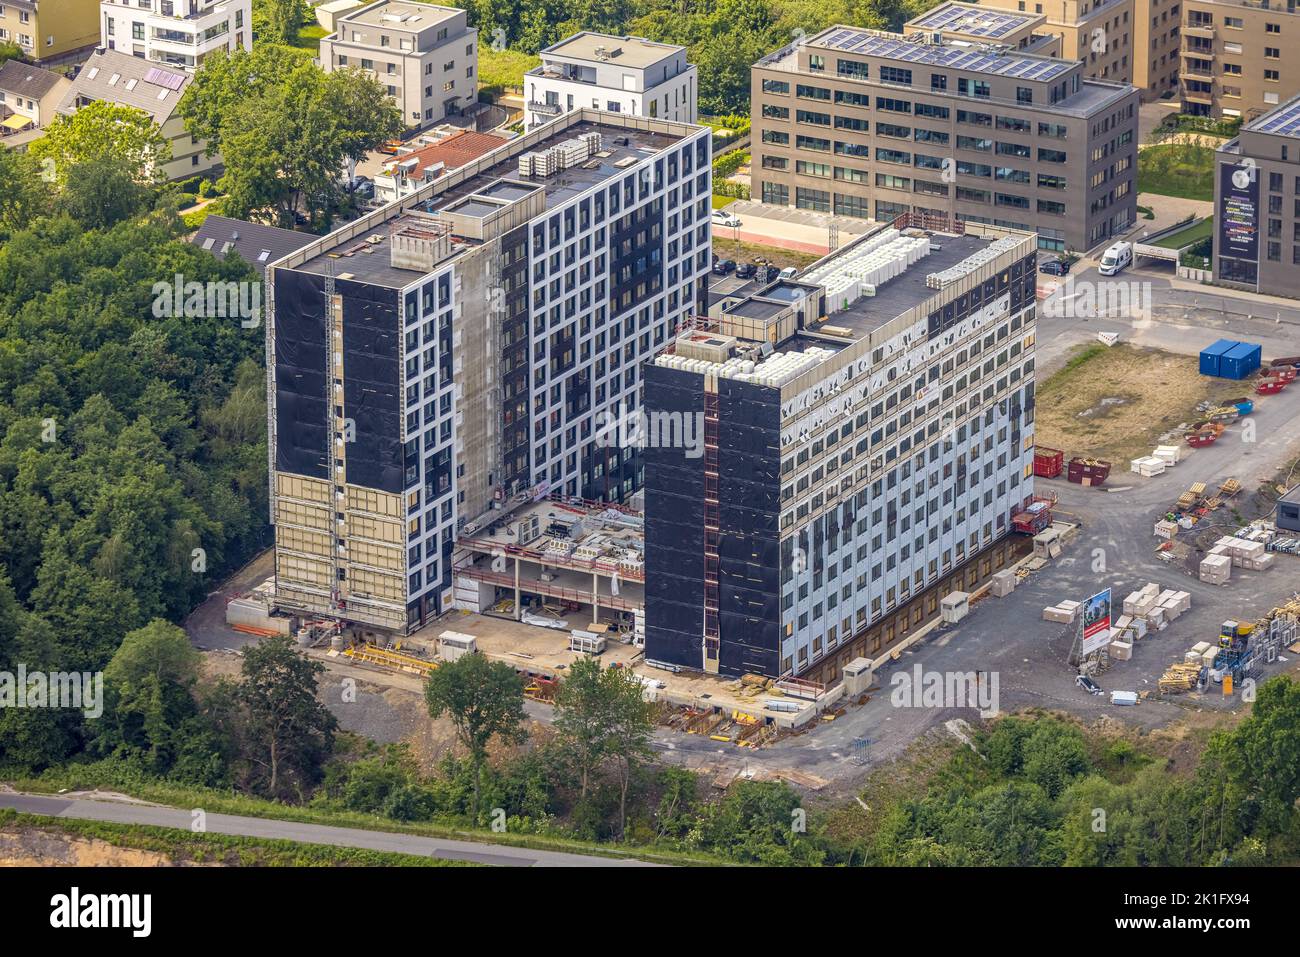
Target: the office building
pixel 1097 33
pixel 868 436
pixel 618 74
pixel 426 56
pixel 1257 204
pixel 971 23
pixel 177 33
pixel 452 354
pixel 862 123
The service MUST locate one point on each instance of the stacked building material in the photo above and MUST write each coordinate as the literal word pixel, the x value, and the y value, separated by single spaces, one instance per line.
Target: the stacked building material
pixel 1140 602
pixel 1165 529
pixel 1169 454
pixel 1180 677
pixel 1148 466
pixel 1061 614
pixel 1004 583
pixel 1216 569
pixel 1121 650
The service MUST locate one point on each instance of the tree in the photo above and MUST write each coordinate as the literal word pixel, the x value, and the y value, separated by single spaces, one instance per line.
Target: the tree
pixel 484 700
pixel 148 686
pixel 631 722
pixel 11 51
pixel 583 711
pixel 24 195
pixel 104 130
pixel 285 128
pixel 102 192
pixel 279 21
pixel 290 732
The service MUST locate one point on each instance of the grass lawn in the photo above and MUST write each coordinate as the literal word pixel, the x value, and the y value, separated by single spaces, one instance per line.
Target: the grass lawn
pixel 1116 402
pixel 1185 237
pixel 310 36
pixel 720 201
pixel 1180 170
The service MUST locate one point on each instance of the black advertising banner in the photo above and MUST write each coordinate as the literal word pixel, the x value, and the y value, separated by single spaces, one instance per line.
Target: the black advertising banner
pixel 1239 212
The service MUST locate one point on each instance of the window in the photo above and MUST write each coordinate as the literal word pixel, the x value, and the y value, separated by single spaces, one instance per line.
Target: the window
pixel 776 194
pixel 777 87
pixel 815 199
pixel 891 74
pixel 851 68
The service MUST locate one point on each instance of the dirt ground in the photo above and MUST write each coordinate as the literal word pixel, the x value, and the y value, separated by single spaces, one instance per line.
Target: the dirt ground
pixel 743 252
pixel 39 847
pixel 1118 403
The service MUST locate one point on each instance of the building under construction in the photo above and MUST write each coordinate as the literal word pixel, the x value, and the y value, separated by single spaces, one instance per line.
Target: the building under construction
pixel 867 438
pixel 457 352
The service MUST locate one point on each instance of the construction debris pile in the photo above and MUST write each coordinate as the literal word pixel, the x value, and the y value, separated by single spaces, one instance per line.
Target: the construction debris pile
pixel 1193 507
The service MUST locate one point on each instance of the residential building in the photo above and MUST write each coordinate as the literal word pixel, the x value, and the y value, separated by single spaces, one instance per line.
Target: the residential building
pixel 432 155
pixel 863 123
pixel 971 23
pixel 50 31
pixel 118 77
pixel 178 33
pixel 257 244
pixel 456 352
pixel 29 96
pixel 426 56
pixel 868 436
pixel 1097 33
pixel 1232 57
pixel 618 74
pixel 1157 29
pixel 1257 204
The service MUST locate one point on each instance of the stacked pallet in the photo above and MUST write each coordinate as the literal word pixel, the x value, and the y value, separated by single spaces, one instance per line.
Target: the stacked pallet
pixel 1179 677
pixel 1174 603
pixel 1148 466
pixel 1244 553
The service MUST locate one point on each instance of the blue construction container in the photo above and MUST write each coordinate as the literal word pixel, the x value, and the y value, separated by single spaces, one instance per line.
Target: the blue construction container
pixel 1240 361
pixel 1210 355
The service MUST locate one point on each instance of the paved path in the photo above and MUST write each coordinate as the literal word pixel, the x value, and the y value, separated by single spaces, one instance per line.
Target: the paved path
pixel 122 812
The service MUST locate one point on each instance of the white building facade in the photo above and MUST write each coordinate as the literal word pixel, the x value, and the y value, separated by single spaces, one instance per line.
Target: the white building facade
pixel 617 74
pixel 177 33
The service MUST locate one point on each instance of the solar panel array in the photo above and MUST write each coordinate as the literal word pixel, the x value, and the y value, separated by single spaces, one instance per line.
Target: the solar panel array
pixel 992 24
pixel 1284 121
pixel 173 81
pixel 937 55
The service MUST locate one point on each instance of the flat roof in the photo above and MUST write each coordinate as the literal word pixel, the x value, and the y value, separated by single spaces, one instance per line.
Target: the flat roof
pixel 634 52
pixel 909 289
pixel 400 15
pixel 1283 121
pixel 371 262
pixel 1022 66
pixel 970 20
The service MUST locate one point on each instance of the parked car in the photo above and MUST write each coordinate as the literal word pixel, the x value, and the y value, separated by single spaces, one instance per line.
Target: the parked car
pixel 1087 684
pixel 746 270
pixel 789 272
pixel 1054 267
pixel 723 218
pixel 723 266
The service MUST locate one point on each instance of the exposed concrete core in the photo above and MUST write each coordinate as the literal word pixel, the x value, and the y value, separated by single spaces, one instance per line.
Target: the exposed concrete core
pixel 475 332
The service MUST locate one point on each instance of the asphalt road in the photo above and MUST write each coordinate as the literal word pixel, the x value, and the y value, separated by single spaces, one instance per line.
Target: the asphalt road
pixel 122 812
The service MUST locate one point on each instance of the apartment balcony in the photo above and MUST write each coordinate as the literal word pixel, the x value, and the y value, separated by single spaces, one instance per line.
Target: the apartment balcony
pixel 1195 73
pixel 551 109
pixel 1198 96
pixel 1199 30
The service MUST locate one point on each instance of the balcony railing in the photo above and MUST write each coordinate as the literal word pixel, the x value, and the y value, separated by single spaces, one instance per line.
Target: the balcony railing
pixel 552 108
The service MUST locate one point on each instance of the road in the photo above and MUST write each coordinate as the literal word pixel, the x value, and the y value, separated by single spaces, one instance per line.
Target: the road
pixel 123 812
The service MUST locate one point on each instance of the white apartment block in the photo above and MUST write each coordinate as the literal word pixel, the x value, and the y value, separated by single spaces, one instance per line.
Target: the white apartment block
pixel 426 56
pixel 617 74
pixel 178 33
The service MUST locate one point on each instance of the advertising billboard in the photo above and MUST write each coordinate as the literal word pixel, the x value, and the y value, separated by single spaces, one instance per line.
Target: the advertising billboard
pixel 1238 212
pixel 1096 622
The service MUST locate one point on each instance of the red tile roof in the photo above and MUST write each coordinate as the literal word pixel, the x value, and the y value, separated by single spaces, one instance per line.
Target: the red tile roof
pixel 458 149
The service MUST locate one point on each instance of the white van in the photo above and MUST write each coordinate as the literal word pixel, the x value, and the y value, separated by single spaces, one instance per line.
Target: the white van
pixel 1116 258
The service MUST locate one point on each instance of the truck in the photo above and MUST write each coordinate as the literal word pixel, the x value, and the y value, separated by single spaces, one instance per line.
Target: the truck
pixel 1116 258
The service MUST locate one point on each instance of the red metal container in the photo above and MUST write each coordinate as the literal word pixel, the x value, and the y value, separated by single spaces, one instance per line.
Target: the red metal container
pixel 1269 386
pixel 1199 440
pixel 1047 462
pixel 1285 373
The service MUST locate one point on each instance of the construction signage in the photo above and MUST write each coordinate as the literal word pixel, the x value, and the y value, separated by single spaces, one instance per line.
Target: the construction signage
pixel 1096 622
